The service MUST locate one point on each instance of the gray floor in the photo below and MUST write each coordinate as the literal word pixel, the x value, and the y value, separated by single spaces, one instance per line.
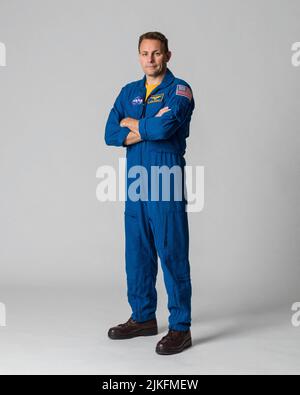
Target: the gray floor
pixel 64 331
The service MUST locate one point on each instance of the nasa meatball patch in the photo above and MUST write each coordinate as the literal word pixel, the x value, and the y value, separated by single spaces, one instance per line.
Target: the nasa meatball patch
pixel 137 101
pixel 183 90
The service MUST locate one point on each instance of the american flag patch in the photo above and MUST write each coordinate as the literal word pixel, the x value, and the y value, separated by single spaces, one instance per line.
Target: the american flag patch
pixel 183 90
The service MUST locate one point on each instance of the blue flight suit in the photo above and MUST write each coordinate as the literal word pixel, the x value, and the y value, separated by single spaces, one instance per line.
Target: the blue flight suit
pixel 156 226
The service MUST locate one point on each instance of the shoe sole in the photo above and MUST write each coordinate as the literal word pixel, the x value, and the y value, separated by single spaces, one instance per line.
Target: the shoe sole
pixel 145 332
pixel 186 344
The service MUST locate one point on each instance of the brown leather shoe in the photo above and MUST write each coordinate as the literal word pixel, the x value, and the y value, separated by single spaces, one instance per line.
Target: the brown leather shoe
pixel 174 342
pixel 133 328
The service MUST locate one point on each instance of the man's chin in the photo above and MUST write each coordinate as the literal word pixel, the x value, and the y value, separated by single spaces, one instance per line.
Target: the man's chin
pixel 155 72
pixel 151 73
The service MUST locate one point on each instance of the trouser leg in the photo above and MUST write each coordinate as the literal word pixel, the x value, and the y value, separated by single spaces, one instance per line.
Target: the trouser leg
pixel 141 264
pixel 171 236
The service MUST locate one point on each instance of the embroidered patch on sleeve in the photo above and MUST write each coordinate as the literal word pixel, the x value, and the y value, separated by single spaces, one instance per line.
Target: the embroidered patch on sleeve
pixel 183 90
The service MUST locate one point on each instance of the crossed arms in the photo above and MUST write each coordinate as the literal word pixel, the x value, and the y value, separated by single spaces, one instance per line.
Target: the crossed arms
pixel 133 124
pixel 121 131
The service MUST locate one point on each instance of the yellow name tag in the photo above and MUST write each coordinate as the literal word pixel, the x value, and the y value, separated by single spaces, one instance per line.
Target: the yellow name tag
pixel 155 98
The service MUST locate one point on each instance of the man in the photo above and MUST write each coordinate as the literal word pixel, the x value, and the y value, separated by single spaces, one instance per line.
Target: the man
pixel 151 118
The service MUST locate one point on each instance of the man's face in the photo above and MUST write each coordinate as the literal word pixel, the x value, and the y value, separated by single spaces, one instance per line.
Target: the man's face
pixel 152 57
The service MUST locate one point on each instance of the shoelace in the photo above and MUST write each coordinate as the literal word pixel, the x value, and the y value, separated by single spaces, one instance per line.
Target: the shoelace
pixel 171 334
pixel 127 323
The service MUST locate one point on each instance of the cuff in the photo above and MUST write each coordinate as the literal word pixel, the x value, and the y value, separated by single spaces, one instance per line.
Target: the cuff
pixel 142 128
pixel 122 135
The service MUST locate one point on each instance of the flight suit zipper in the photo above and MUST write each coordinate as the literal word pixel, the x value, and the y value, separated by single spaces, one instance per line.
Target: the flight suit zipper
pixel 145 101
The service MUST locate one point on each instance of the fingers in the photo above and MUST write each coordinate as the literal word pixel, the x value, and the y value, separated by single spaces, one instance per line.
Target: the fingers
pixel 162 111
pixel 125 122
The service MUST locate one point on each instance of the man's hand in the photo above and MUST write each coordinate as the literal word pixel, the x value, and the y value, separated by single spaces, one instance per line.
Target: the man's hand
pixel 162 111
pixel 132 138
pixel 134 135
pixel 130 123
pixel 133 124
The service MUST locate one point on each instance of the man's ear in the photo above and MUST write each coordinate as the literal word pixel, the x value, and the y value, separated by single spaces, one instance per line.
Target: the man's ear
pixel 169 54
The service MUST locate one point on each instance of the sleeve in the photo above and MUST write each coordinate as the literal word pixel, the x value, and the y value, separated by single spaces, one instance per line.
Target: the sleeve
pixel 114 133
pixel 181 103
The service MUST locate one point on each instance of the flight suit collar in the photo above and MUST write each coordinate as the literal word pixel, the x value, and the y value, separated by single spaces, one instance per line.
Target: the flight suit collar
pixel 167 80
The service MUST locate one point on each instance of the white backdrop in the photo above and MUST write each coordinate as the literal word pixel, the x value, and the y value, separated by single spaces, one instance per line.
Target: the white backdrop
pixel 66 62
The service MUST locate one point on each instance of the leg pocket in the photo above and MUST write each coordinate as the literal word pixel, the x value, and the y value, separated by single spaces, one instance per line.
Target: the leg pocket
pixel 177 233
pixel 132 231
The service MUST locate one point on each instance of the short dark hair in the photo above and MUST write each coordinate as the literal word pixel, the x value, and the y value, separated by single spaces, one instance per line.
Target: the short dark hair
pixel 155 36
